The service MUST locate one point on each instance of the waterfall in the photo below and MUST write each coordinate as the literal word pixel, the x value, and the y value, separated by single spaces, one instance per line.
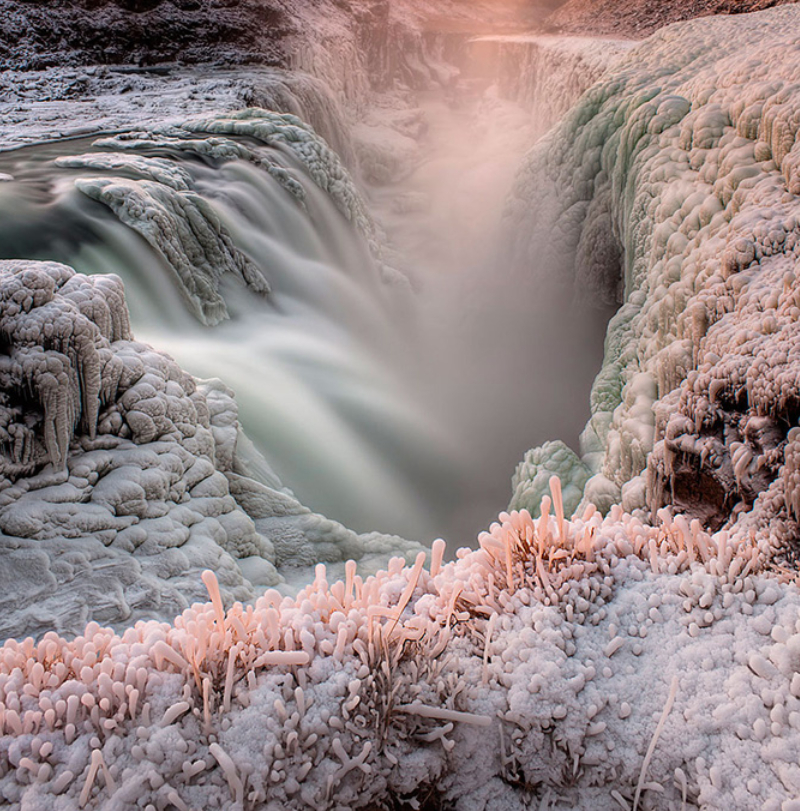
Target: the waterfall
pixel 249 255
pixel 238 264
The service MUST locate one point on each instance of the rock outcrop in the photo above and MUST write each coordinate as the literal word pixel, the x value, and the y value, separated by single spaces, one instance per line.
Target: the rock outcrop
pixel 638 18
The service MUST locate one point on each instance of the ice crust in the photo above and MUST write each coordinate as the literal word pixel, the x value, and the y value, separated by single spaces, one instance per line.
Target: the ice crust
pixel 673 184
pixel 590 664
pixel 123 478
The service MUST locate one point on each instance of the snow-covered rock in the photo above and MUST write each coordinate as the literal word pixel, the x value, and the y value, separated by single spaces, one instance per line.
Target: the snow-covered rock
pixel 41 105
pixel 531 480
pixel 123 478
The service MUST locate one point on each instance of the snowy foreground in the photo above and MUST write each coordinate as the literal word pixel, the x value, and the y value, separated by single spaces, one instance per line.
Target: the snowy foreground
pixel 588 663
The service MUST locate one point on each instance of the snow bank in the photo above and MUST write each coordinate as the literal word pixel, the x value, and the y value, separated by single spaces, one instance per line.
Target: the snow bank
pixel 586 664
pixel 674 184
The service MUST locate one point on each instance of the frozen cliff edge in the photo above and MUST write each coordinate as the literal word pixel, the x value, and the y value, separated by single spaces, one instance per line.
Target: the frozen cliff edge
pixel 673 186
pixel 123 478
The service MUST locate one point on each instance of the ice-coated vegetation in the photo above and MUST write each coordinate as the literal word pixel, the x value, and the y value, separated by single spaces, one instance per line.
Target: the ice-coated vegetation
pixel 586 664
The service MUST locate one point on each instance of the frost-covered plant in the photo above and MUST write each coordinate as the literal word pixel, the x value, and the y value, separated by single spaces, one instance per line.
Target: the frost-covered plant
pixel 501 679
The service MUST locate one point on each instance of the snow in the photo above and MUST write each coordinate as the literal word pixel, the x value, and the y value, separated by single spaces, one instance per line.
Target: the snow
pixel 593 662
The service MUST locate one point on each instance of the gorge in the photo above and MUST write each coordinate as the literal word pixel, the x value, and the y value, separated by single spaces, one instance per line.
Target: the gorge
pixel 365 264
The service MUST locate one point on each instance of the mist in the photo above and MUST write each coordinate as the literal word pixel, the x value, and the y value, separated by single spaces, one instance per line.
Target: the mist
pixel 504 361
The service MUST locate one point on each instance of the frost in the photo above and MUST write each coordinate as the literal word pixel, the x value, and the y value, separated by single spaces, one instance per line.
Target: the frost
pixel 56 368
pixel 158 170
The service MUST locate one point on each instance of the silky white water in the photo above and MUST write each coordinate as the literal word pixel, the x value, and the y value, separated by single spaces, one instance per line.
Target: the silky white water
pixel 317 366
pixel 383 408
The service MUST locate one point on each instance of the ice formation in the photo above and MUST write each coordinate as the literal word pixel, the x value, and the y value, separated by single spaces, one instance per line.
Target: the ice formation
pixel 157 199
pixel 592 664
pixel 673 183
pixel 589 662
pixel 123 478
pixel 186 232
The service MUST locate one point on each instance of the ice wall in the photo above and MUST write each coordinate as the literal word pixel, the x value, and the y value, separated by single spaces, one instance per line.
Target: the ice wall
pixel 673 186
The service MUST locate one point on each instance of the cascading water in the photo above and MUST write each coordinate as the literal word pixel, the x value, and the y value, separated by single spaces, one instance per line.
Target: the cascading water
pixel 386 409
pixel 316 364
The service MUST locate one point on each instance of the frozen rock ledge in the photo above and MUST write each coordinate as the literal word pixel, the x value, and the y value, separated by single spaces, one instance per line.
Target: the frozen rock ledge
pixel 122 478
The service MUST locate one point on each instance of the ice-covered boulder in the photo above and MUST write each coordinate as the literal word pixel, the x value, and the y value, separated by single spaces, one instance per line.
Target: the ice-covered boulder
pixel 122 478
pixel 675 182
pixel 531 480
